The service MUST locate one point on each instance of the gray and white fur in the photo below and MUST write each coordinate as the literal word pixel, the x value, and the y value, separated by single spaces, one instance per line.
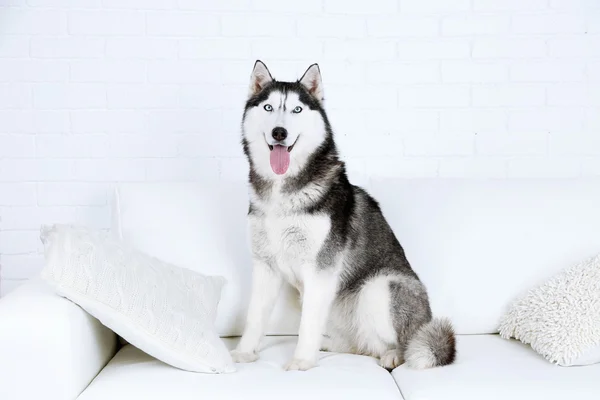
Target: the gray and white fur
pixel 328 238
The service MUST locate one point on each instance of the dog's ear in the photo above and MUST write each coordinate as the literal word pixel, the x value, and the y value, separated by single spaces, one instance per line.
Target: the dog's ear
pixel 312 81
pixel 260 78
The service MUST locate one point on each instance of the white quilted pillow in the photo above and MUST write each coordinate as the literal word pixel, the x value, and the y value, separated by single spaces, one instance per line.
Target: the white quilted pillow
pixel 561 317
pixel 166 311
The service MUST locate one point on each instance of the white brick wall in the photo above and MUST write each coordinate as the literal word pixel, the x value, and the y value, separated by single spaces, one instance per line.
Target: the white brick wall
pixel 94 92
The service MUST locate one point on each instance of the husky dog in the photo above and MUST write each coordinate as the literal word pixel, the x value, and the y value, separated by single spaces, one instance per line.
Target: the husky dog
pixel 327 238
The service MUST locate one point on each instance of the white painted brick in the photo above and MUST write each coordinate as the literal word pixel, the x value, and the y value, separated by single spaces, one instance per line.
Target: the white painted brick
pixel 233 169
pixel 439 145
pixel 31 218
pixel 268 49
pixel 187 121
pixel 590 167
pixel 372 97
pixel 109 170
pixel 544 167
pixel 133 146
pixel 67 47
pixel 15 146
pixel 141 4
pixel 564 94
pixel 575 144
pixel 200 146
pixel 349 122
pixel 16 121
pixel 121 22
pixel 550 119
pixel 509 47
pixel 398 167
pixel 359 50
pixel 434 6
pixel 108 71
pixel 141 48
pixel 374 145
pixel 574 46
pixel 72 146
pixel 183 72
pixel 405 120
pixel 473 120
pixel 59 96
pixel 14 46
pixel 434 96
pixel 513 95
pixel 574 4
pixel 16 70
pixel 95 217
pixel 361 8
pixel 15 95
pixel 433 49
pixel 182 24
pixel 307 6
pixel 34 169
pixel 37 22
pixel 138 96
pixel 340 72
pixel 8 285
pixel 21 266
pixel 221 5
pixel 509 5
pixel 528 144
pixel 593 71
pixel 72 194
pixel 213 96
pixel 20 242
pixel 65 3
pixel 332 27
pixel 475 24
pixel 473 71
pixel 250 25
pixel 402 26
pixel 50 121
pixel 547 71
pixel 548 23
pixel 592 119
pixel 215 48
pixel 405 73
pixel 183 170
pixel 17 194
pixel 108 121
pixel 472 168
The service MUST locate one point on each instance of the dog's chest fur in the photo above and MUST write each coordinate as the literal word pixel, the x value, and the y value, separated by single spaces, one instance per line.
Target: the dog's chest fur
pixel 286 238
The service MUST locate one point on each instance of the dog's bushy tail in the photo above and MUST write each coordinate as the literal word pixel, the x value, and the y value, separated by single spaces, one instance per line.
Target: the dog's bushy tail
pixel 432 345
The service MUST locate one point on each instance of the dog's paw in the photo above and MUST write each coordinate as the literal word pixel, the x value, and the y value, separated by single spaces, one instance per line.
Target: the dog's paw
pixel 243 357
pixel 391 359
pixel 300 365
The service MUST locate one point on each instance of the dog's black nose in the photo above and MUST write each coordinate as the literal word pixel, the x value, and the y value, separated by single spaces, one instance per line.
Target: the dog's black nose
pixel 279 133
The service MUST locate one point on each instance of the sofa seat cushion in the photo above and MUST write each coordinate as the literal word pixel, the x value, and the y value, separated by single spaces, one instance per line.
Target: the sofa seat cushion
pixel 489 367
pixel 131 374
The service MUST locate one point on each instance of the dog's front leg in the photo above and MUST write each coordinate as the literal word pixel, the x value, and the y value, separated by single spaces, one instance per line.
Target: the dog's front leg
pixel 266 285
pixel 319 292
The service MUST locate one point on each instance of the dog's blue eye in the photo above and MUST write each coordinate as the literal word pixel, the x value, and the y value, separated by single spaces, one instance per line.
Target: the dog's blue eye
pixel 268 107
pixel 297 110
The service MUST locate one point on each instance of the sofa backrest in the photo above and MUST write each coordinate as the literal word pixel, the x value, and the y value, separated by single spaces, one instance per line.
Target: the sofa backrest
pixel 476 244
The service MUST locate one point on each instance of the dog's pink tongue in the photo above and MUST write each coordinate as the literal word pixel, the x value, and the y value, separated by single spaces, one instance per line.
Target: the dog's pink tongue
pixel 280 159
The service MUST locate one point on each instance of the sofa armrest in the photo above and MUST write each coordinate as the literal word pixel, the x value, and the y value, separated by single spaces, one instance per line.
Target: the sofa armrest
pixel 50 348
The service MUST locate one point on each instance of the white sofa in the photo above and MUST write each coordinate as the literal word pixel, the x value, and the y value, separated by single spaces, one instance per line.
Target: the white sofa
pixel 477 244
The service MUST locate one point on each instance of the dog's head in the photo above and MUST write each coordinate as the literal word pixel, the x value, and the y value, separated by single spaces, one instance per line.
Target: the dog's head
pixel 284 122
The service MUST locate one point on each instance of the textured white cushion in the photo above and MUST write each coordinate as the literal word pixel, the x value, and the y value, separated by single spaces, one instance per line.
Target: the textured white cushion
pixel 164 310
pixel 478 244
pixel 202 227
pixel 131 374
pixel 561 317
pixel 491 368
